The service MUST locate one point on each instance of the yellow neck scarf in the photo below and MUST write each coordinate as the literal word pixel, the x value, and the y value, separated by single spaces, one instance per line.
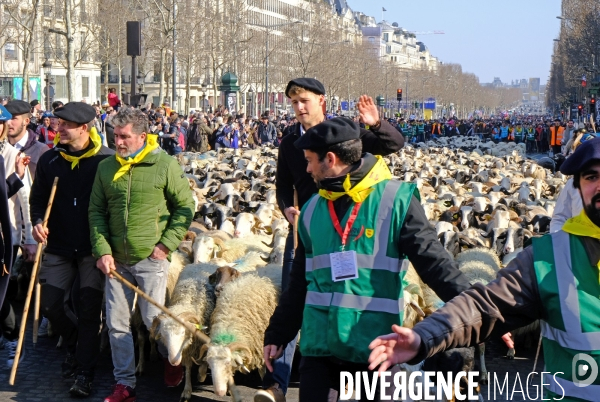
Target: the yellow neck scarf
pixel 151 145
pixel 361 191
pixel 96 140
pixel 581 225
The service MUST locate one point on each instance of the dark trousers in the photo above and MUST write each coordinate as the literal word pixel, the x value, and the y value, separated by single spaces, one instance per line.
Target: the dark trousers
pixel 79 327
pixel 320 379
pixel 556 149
pixel 8 321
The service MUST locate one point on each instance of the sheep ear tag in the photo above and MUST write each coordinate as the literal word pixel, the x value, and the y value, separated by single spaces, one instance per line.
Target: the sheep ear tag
pixel 369 233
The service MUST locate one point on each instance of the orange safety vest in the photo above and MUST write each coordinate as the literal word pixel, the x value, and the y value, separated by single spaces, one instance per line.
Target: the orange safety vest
pixel 556 138
pixel 511 136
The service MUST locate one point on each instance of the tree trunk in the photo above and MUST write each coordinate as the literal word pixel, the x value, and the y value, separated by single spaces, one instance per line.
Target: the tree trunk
pixel 70 50
pixel 106 83
pixel 161 86
pixel 28 48
pixel 188 73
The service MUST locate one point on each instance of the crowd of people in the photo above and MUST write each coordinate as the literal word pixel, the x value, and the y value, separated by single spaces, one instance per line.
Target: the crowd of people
pixel 115 164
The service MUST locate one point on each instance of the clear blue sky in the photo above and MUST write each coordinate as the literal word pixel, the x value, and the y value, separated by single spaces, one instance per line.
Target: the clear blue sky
pixel 510 39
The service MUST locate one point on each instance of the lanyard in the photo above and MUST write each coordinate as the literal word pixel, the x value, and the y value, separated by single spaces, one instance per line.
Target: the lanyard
pixel 349 223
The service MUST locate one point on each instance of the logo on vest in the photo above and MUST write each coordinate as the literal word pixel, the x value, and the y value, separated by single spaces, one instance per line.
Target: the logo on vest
pixel 584 369
pixel 369 233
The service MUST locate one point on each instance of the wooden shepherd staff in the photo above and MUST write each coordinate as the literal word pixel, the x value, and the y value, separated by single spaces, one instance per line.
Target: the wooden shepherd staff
pixel 295 220
pixel 32 281
pixel 235 394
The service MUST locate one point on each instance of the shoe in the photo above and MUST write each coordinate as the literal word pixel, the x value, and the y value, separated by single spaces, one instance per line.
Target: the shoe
pixel 173 374
pixel 83 385
pixel 271 394
pixel 11 346
pixel 69 366
pixel 43 329
pixel 121 393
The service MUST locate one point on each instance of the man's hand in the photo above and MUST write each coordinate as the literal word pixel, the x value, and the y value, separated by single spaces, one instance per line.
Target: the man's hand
pixel 106 263
pixel 29 251
pixel 367 110
pixel 290 212
pixel 507 338
pixel 271 352
pixel 40 233
pixel 160 252
pixel 398 347
pixel 21 163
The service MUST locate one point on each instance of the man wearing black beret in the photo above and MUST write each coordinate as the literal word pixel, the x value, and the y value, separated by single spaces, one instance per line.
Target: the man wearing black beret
pixel 308 99
pixel 74 160
pixel 357 236
pixel 555 280
pixel 21 136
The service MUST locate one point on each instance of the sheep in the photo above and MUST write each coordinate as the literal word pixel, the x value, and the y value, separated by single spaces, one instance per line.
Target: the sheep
pixel 192 300
pixel 237 327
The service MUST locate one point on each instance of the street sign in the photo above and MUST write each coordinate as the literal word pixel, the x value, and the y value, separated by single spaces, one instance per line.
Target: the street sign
pixel 344 105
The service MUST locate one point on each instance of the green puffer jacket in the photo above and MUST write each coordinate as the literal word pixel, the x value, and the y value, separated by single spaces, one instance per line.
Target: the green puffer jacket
pixel 150 204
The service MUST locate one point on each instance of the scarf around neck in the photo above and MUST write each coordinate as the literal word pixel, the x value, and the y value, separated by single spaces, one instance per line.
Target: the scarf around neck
pixel 126 163
pixel 363 188
pixel 94 138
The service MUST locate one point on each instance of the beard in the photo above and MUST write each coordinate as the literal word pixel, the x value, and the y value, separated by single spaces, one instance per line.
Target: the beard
pixel 124 152
pixel 592 212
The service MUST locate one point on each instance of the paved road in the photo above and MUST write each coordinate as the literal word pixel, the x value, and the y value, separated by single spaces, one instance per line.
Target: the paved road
pixel 38 378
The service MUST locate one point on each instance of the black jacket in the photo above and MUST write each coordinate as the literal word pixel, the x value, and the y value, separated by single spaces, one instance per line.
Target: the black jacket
pixel 418 241
pixel 109 131
pixel 69 230
pixel 291 165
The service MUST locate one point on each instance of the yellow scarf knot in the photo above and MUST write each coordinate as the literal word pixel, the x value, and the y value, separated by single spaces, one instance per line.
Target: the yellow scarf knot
pixel 581 225
pixel 94 138
pixel 361 191
pixel 126 164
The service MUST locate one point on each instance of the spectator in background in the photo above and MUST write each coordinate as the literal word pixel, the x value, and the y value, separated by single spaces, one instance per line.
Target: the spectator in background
pixel 113 99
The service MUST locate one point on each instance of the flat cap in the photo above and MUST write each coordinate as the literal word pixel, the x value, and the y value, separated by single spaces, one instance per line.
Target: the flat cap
pixel 587 152
pixel 34 103
pixel 330 132
pixel 17 107
pixel 4 114
pixel 77 112
pixel 310 84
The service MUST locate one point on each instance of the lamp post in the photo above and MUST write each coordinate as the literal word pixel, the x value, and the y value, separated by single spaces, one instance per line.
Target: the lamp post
pixel 204 88
pixel 267 32
pixel 47 66
pixel 250 110
pixel 140 83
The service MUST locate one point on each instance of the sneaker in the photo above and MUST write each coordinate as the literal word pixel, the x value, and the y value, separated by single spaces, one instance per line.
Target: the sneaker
pixel 173 374
pixel 121 393
pixel 43 329
pixel 83 385
pixel 272 394
pixel 11 346
pixel 69 366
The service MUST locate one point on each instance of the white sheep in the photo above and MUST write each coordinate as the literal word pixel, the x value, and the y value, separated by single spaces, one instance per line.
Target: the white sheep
pixel 193 301
pixel 237 328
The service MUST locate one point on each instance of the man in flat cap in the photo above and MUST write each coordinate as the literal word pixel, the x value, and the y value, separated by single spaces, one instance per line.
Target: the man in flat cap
pixel 308 98
pixel 74 160
pixel 555 280
pixel 21 137
pixel 357 236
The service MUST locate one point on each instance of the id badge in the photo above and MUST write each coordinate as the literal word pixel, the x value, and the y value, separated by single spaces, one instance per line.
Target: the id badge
pixel 343 266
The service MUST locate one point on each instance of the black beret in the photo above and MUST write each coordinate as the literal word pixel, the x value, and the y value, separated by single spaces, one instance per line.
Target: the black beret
pixel 310 84
pixel 77 112
pixel 587 152
pixel 34 103
pixel 328 133
pixel 17 107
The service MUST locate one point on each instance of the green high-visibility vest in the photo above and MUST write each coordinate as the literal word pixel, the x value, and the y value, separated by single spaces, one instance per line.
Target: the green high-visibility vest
pixel 420 128
pixel 518 134
pixel 342 318
pixel 530 134
pixel 570 295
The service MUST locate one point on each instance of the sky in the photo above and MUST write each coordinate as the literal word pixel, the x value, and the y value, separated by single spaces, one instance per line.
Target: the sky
pixel 509 39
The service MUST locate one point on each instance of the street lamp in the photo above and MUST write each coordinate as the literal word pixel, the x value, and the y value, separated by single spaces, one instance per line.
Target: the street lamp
pixel 47 66
pixel 251 108
pixel 267 28
pixel 204 89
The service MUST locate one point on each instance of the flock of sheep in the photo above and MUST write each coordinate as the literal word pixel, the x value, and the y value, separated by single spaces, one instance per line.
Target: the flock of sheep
pixel 484 200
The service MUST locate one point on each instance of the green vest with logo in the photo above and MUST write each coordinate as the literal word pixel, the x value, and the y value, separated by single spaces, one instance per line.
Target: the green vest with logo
pixel 530 134
pixel 420 128
pixel 570 294
pixel 518 134
pixel 342 318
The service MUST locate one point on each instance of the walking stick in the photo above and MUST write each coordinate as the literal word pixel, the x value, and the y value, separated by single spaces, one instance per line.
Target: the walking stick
pixel 190 327
pixel 36 311
pixel 537 354
pixel 32 281
pixel 295 220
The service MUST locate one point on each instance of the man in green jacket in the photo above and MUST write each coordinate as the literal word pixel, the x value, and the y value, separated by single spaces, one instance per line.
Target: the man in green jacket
pixel 140 208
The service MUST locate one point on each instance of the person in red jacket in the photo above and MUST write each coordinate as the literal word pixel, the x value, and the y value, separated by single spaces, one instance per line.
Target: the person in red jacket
pixel 113 99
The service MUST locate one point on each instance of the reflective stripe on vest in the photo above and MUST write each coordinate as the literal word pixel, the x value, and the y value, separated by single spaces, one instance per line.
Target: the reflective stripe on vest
pixel 357 302
pixel 565 276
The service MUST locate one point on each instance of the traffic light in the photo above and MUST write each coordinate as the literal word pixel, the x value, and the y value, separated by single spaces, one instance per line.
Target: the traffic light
pixel 593 104
pixel 580 110
pixel 399 94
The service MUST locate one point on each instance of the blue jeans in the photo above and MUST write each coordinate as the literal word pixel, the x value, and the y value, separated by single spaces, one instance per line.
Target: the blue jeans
pixel 282 367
